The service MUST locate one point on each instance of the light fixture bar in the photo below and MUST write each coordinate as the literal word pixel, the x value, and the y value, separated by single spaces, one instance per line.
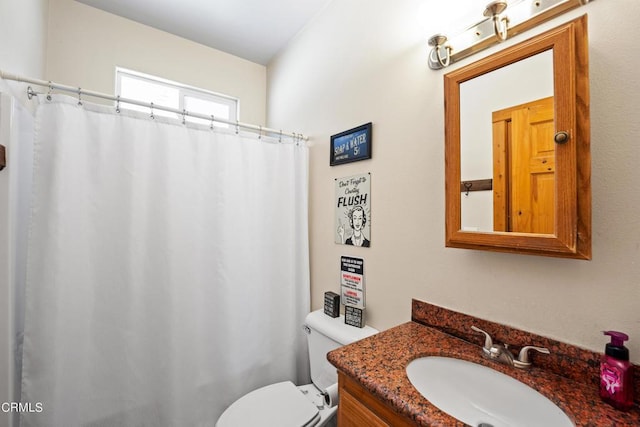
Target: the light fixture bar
pixel 501 22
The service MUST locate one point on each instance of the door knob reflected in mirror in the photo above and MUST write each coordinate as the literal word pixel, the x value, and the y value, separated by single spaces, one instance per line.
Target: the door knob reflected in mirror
pixel 561 137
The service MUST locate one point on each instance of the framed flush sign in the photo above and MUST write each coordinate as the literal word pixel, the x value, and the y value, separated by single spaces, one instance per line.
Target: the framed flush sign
pixel 353 210
pixel 351 145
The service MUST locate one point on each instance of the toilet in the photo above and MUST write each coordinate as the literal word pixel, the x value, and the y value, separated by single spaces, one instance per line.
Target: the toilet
pixel 312 405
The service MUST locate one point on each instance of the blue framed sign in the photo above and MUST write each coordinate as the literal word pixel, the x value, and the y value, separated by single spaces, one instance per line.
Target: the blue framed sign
pixel 351 145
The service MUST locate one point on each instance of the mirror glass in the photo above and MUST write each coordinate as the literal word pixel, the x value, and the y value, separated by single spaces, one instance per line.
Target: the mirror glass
pixel 500 113
pixel 517 148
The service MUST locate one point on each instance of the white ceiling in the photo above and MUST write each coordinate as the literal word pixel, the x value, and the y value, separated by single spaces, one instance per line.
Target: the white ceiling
pixel 255 30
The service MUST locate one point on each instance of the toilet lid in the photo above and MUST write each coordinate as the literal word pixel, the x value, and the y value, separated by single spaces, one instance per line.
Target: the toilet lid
pixel 280 404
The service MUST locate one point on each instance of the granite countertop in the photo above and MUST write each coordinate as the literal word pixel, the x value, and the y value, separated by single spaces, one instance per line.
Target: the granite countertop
pixel 378 363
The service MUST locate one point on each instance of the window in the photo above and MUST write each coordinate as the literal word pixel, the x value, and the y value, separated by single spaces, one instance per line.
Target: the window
pixel 147 88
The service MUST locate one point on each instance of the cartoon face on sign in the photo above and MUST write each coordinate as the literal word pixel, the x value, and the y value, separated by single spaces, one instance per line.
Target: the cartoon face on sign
pixel 357 220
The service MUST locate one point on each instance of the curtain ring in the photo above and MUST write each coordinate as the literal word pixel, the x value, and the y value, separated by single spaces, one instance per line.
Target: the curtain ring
pixel 184 113
pixel 49 91
pixel 280 138
pixel 152 116
pixel 237 127
pixel 212 120
pixel 260 133
pixel 79 96
pixel 118 104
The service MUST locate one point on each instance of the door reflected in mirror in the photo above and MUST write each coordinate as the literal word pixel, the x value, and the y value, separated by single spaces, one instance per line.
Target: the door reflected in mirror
pixel 524 168
pixel 517 148
pixel 506 136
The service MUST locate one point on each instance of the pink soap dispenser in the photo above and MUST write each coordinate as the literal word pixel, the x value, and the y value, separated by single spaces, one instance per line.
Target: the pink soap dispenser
pixel 616 373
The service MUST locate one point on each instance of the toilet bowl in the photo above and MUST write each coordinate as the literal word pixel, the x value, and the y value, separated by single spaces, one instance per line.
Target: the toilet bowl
pixel 284 404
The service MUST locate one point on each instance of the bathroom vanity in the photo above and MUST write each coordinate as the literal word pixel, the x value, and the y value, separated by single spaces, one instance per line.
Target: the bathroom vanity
pixel 374 388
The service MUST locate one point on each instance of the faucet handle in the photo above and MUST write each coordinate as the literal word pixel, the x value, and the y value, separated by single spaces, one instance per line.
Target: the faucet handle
pixel 523 356
pixel 488 342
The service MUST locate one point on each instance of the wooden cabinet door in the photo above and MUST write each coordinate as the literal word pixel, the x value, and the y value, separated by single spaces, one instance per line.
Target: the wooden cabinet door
pixel 358 408
pixel 352 413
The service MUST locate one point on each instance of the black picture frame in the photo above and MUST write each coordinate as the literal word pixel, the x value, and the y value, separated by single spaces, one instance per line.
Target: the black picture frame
pixel 351 145
pixel 353 316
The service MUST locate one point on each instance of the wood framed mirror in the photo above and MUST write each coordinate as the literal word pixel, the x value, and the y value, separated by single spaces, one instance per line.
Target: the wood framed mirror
pixel 517 148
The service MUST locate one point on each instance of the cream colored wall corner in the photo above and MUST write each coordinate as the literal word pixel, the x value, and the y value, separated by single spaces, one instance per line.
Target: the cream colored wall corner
pixel 86 44
pixel 23 32
pixel 362 61
pixel 23 28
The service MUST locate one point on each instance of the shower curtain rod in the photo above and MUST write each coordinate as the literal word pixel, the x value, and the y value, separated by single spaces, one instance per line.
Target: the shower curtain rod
pixel 79 91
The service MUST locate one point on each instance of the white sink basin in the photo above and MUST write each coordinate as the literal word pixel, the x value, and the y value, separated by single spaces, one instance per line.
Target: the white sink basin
pixel 481 396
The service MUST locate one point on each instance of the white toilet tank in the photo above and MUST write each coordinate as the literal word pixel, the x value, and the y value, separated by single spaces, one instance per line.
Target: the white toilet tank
pixel 325 333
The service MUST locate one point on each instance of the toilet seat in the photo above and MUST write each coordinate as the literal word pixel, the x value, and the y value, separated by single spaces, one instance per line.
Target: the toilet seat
pixel 280 404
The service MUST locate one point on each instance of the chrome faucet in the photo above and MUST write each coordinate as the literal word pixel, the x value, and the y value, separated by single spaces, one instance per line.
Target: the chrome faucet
pixel 523 361
pixel 502 354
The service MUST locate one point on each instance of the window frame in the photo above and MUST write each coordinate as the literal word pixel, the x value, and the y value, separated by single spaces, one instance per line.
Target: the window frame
pixel 184 90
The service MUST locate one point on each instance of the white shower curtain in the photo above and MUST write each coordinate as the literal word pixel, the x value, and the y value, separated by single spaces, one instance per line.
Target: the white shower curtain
pixel 168 268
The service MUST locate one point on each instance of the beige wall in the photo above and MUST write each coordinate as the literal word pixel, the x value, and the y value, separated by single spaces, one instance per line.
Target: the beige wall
pixel 22 36
pixel 86 44
pixel 23 32
pixel 364 60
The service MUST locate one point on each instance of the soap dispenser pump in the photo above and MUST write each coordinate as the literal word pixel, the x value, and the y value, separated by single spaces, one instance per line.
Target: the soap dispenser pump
pixel 616 375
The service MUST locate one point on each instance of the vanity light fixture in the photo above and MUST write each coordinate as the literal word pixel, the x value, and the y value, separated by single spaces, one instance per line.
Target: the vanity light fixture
pixel 501 20
pixel 441 52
